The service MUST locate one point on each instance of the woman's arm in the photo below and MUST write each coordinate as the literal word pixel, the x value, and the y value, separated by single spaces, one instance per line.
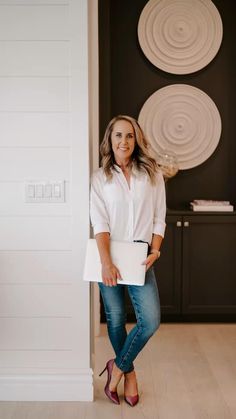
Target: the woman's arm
pixel 98 211
pixel 156 242
pixel 158 222
pixel 100 222
pixel 110 273
pixel 154 252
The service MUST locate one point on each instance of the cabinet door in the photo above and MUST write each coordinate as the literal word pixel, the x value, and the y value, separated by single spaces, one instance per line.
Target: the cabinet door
pixel 209 264
pixel 168 267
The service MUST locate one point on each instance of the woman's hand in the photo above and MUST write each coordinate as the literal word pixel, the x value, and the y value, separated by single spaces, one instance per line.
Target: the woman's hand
pixel 151 258
pixel 110 274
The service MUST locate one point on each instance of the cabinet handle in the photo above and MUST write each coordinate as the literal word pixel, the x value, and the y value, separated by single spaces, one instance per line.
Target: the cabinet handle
pixel 179 224
pixel 186 224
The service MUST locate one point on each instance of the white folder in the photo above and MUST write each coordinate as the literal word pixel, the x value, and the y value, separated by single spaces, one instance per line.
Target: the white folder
pixel 126 256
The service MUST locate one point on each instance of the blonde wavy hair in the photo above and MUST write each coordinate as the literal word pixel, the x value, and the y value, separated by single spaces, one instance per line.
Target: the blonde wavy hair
pixel 142 157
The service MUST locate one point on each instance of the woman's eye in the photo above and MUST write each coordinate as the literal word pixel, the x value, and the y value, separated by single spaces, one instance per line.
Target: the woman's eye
pixel 130 136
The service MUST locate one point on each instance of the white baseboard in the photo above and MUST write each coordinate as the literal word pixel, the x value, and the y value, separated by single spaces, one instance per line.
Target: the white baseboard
pixel 51 387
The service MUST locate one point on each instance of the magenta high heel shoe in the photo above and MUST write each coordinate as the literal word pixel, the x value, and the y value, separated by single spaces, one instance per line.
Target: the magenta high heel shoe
pixel 112 395
pixel 132 400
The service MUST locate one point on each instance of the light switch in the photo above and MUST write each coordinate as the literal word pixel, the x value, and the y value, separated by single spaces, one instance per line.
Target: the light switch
pixel 48 191
pixel 31 191
pixel 39 191
pixel 56 191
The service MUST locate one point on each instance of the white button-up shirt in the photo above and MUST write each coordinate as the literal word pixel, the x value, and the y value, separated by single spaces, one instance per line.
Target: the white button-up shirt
pixel 128 213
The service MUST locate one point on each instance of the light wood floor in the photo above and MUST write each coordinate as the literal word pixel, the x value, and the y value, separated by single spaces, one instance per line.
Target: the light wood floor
pixel 185 371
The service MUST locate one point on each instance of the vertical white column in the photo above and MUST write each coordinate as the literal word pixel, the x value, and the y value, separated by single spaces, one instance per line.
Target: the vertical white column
pixel 46 344
pixel 80 175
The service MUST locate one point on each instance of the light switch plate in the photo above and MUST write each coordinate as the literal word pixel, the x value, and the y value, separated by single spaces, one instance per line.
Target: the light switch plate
pixel 45 191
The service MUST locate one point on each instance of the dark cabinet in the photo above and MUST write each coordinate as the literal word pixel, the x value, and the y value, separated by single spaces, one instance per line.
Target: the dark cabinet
pixel 209 268
pixel 196 274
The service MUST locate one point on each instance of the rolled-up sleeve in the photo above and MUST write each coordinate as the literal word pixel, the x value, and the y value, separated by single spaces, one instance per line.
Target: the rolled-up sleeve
pixel 98 212
pixel 159 224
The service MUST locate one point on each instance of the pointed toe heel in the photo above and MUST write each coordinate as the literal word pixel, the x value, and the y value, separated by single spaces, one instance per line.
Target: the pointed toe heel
pixel 132 400
pixel 112 395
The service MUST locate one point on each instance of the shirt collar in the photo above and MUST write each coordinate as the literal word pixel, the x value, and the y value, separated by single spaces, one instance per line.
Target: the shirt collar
pixel 119 169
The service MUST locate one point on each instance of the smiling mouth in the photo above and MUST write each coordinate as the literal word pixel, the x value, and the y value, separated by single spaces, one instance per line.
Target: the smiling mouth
pixel 123 149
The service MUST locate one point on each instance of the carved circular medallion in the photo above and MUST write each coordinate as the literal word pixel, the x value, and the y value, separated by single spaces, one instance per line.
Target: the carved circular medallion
pixel 180 36
pixel 182 119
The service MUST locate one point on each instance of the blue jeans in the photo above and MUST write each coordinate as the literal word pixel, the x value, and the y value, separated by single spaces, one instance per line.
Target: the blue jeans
pixel 146 303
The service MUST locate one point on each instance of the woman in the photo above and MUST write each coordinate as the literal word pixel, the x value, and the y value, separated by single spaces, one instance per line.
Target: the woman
pixel 127 204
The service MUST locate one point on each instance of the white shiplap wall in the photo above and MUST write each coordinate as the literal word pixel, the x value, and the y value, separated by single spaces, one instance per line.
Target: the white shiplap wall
pixel 44 304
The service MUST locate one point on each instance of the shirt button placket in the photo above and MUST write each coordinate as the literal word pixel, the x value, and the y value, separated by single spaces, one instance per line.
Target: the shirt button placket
pixel 131 212
pixel 131 219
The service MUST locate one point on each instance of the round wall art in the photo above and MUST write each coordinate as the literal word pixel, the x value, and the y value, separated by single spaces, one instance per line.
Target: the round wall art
pixel 182 119
pixel 180 36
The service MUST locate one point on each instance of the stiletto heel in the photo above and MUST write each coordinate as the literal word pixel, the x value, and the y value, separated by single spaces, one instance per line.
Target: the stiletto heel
pixel 103 371
pixel 112 395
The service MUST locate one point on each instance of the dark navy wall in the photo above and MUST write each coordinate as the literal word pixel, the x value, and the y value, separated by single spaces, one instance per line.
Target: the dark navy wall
pixel 127 79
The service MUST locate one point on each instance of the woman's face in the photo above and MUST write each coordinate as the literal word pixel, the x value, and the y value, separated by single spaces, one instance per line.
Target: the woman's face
pixel 122 141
